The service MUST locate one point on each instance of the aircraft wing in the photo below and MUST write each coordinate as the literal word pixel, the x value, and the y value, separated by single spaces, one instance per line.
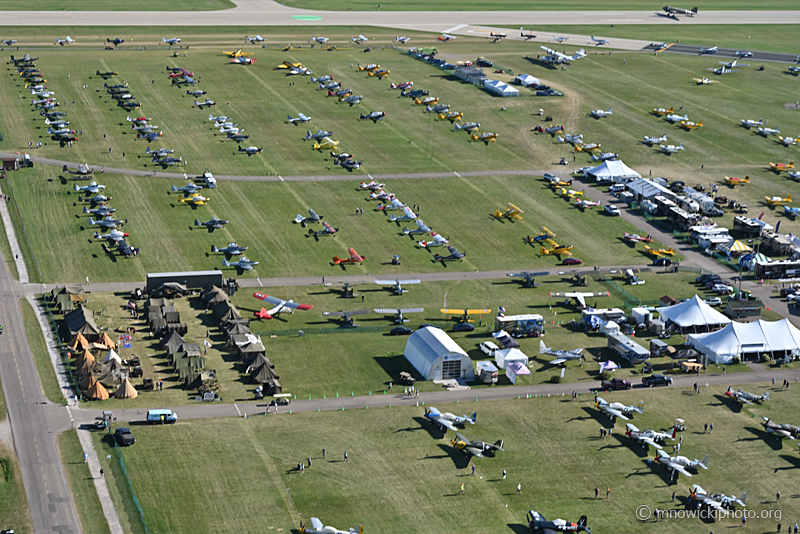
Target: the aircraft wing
pixel 548 50
pixel 317 524
pixel 271 300
pixel 679 468
pixel 650 442
pixel 453 311
pixel 295 305
pixel 558 361
pixel 616 413
pixel 474 451
pixel 579 297
pixel 446 423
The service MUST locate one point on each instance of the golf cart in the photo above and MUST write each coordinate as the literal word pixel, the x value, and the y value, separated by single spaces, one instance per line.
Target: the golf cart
pixel 679 425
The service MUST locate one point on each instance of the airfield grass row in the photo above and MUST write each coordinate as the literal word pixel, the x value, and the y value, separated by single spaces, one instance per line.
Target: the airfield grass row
pixel 402 475
pixel 348 361
pixel 13 501
pixel 81 484
pixel 41 356
pixel 91 5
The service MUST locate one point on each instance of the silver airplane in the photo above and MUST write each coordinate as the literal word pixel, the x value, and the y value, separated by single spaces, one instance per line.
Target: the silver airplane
pixel 231 250
pixel 312 218
pixel 397 285
pixel 82 170
pixel 374 116
pixel 468 126
pixel 330 85
pixel 318 528
pixel 320 40
pixel 97 199
pixel 421 228
pixel 60 131
pixel 353 99
pixel 189 189
pixel 408 215
pixel 300 118
pixel 160 152
pixel 221 118
pixel 438 108
pixel 600 41
pixel 256 39
pixel 198 93
pixel 617 409
pixel 360 39
pixel 648 437
pixel 561 355
pixel 681 461
pixel 402 39
pixel 250 150
pixel 717 501
pixel 653 140
pixel 93 187
pixel 321 134
pixel 108 222
pixel 448 420
pixel 114 236
pixel 322 79
pixel 744 397
pixel 475 448
pixel 398 313
pixel 172 41
pixel 243 263
pixel 212 224
pixel 780 431
pixel 100 211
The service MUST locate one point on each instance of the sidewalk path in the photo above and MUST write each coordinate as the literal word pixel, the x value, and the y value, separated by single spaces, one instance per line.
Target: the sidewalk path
pixel 22 271
pixel 100 486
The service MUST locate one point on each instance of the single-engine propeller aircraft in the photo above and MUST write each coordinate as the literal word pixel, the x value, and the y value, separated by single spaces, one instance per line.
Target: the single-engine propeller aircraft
pixel 778 201
pixel 374 116
pixel 654 140
pixel 237 53
pixel 208 102
pixel 780 431
pixel 659 252
pixel 256 39
pixel 320 40
pixel 250 150
pixel 436 240
pixel 359 39
pixel 486 137
pixel 326 143
pixel 66 40
pixel 397 285
pixel 318 528
pixel 454 255
pixel 312 218
pixel 421 228
pixel 537 523
pixel 300 118
pixel 93 187
pixel 114 236
pixel 196 200
pixel 212 224
pixel 475 448
pixel 649 437
pixel 108 222
pixel 172 41
pixel 398 313
pixel 660 112
pixel 353 257
pixel 326 229
pixel 527 36
pixel 107 74
pixel 671 149
pixel 446 38
pixel 717 501
pixel 244 60
pixel 599 113
pixel 599 41
pixel 346 317
pixel 712 50
pixel 637 238
pixel 401 85
pixel 690 125
pixel 448 420
pixel 704 81
pixel 558 58
pixel 528 277
pixel 402 39
pixel 321 134
pixel 617 409
pixel 734 181
pixel 231 250
pixel 778 167
pixel 280 305
pixel 562 356
pixel 744 397
pixel 580 297
pixel 470 126
pixel 83 170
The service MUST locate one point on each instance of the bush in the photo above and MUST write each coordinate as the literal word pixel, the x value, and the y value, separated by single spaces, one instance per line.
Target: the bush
pixel 736 360
pixel 606 375
pixel 555 379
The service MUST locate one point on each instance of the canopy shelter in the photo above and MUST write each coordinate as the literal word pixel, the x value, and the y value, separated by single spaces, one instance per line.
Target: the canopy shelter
pixel 515 369
pixel 776 339
pixel 500 88
pixel 614 171
pixel 748 261
pixel 505 356
pixel 191 349
pixel 692 316
pixel 608 366
pixel 734 247
pixel 126 390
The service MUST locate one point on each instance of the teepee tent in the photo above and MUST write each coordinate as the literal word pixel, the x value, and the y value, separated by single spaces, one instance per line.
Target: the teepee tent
pixel 78 342
pixel 126 390
pixel 95 391
pixel 112 355
pixel 106 340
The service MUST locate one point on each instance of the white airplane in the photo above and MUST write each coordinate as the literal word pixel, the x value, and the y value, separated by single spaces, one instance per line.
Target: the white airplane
pixel 570 138
pixel 408 215
pixel 652 140
pixel 9 42
pixel 718 501
pixel 322 79
pixel 66 40
pixel 448 420
pixel 57 123
pixel 794 70
pixel 743 54
pixel 207 102
pixel 172 41
pixel 280 305
pixel 648 437
pixel 671 149
pixel 747 123
pixel 229 129
pixel 113 235
pixel 604 156
pixel 300 70
pixel 794 176
pixel 677 118
pixel 436 241
pixel 397 284
pixel 686 462
pixel 712 50
pixel 617 409
pixel 226 124
pixel 744 397
pixel 320 40
pixel 733 64
pixel 560 39
pixel 559 58
pixel 402 39
pixel 722 70
pixel 787 141
pixel 360 39
pixel 60 131
pixel 318 528
pixel 300 118
pixel 561 355
pixel 256 39
pixel 598 113
pixel 250 150
pixel 600 41
pixel 221 118
pixel 422 228
pixel 43 94
pixel 584 204
pixel 704 81
pixel 446 37
pixel 93 187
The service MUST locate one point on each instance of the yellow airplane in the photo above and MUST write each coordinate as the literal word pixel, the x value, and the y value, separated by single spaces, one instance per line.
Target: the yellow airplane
pixel 464 313
pixel 689 125
pixel 571 193
pixel 196 200
pixel 558 182
pixel 658 252
pixel 485 137
pixel 557 249
pixel 778 167
pixel 591 147
pixel 660 112
pixel 787 141
pixel 426 100
pixel 379 73
pixel 287 48
pixel 371 67
pixel 452 116
pixel 734 181
pixel 778 201
pixel 325 143
pixel 512 212
pixel 703 81
pixel 289 65
pixel 238 53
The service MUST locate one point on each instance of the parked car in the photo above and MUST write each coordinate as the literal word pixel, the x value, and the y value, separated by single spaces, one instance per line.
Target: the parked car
pixel 484 63
pixel 124 436
pixel 400 331
pixel 488 348
pixel 703 277
pixel 611 209
pixel 662 262
pixel 463 327
pixel 549 175
pixel 616 383
pixel 786 291
pixel 571 261
pixel 714 212
pixel 657 380
pixel 714 301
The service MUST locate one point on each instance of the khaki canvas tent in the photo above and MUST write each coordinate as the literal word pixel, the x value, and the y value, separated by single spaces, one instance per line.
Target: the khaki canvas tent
pixel 126 390
pixel 95 390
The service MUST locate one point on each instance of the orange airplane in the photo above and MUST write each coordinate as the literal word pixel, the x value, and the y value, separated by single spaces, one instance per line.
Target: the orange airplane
pixel 354 258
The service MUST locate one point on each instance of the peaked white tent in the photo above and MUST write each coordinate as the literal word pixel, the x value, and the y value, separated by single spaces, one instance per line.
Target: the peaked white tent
pixel 503 357
pixel 613 170
pixel 777 339
pixel 693 315
pixel 526 80
pixel 500 88
pixel 112 355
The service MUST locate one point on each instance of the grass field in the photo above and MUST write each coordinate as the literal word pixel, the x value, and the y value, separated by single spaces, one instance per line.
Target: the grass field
pixel 81 484
pixel 41 356
pixel 139 5
pixel 349 361
pixel 401 475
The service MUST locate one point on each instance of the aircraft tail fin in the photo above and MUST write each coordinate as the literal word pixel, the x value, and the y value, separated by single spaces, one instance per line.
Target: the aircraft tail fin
pixel 543 348
pixel 499 445
pixel 743 498
pixel 226 263
pixel 458 126
pixel 582 521
pixel 473 417
pixel 240 149
pixel 704 462
pixel 694 10
pixel 640 407
pixel 214 248
pixel 163 40
pixel 766 395
pixel 196 222
pixel 92 221
pixel 674 432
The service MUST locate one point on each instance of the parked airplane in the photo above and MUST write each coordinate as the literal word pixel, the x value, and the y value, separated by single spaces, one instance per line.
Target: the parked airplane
pixel 256 39
pixel 560 39
pixel 769 131
pixel 402 39
pixel 330 86
pixel 108 222
pixel 196 200
pixel 617 409
pixel 537 523
pixel 586 204
pixel 401 85
pixel 352 99
pixel 312 218
pixel 777 201
pixel 580 297
pixel 678 11
pixel 470 126
pixel 788 211
pixel 354 257
pixel 570 138
pixel 318 528
pixel 587 147
pixel 398 313
pixel 637 238
pixel 243 264
pixel 415 93
pixel 250 150
pixel 408 215
pixel 511 212
pixel 722 70
pixel 421 228
pixel 712 50
pixel 744 397
pixel 374 116
pixel 231 250
pixel 244 60
pixel 527 36
pixel 562 356
pixel 794 70
pixel 778 167
pixel 682 461
pixel 372 185
pixel 172 41
pixel 747 123
pixel 447 38
pixel 652 140
pixel 280 306
pixel 66 40
pixel 9 42
pixel 448 420
pixel 326 229
pixel 83 170
pixel 781 431
pixel 321 134
pixel 435 241
pixel 360 39
pixel 300 118
pixel 475 448
pixel 486 137
pixel 671 149
pixel 208 102
pixel 689 125
pixel 212 224
pixel 787 141
pixel 648 437
pixel 380 74
pixel 498 36
pixel 322 79
pixel 733 64
pixel 559 58
pixel 427 100
pixel 704 81
pixel 325 143
pixel 320 40
pixel 605 156
pixel 100 211
pixel 438 108
pixel 659 252
pixel 114 235
pixel 717 501
pixel 734 181
pixel 454 255
pixel 93 187
pixel 599 41
pixel 221 118
pixel 660 112
pixel 599 113
pixel 397 285
pixel 529 277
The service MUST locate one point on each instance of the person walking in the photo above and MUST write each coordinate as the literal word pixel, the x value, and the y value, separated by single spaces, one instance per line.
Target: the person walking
pixel 777 497
pixel 102 473
pixel 608 493
pixel 345 456
pixel 744 521
pixel 309 462
pixel 596 493
pixel 673 496
pixel 711 428
pixel 85 457
pixel 473 472
pixel 705 429
pixel 519 489
pixel 462 488
pixel 323 452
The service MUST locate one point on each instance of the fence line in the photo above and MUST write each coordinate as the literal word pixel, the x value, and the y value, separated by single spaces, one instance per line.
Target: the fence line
pixel 134 498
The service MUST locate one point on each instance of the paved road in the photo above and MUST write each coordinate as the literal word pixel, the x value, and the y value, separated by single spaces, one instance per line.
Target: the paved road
pixel 49 497
pixel 757 57
pixel 270 13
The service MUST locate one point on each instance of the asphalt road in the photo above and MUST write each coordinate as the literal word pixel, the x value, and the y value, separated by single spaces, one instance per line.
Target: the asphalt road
pixel 49 497
pixel 731 53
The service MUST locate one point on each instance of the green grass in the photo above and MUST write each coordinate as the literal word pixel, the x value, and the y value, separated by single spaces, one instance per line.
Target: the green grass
pixel 13 501
pixel 522 5
pixel 118 488
pixel 41 356
pixel 401 475
pixel 92 5
pixel 352 362
pixel 81 484
pixel 5 247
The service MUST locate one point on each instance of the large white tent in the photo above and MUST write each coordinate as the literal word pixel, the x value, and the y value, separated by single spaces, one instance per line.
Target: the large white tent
pixel 500 88
pixel 613 170
pixel 505 356
pixel 436 356
pixel 743 340
pixel 693 315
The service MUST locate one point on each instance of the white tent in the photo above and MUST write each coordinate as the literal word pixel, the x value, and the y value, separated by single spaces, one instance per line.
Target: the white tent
pixel 112 355
pixel 645 189
pixel 609 328
pixel 526 80
pixel 693 315
pixel 776 338
pixel 516 369
pixel 734 246
pixel 436 356
pixel 608 366
pixel 614 170
pixel 500 88
pixel 503 357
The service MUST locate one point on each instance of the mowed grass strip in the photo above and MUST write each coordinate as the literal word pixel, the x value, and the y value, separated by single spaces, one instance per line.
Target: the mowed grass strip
pixel 41 356
pixel 13 500
pixel 81 484
pixel 89 5
pixel 549 444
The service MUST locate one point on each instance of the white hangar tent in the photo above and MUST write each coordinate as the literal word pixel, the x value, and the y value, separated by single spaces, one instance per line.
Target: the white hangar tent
pixel 526 80
pixel 500 88
pixel 436 356
pixel 777 339
pixel 614 171
pixel 693 315
pixel 644 189
pixel 503 357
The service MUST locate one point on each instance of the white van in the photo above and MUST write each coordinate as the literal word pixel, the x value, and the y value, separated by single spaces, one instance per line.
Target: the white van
pixel 164 416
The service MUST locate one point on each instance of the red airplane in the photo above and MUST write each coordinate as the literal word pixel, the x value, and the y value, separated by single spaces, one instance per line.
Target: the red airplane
pixel 280 305
pixel 244 60
pixel 354 258
pixel 180 73
pixel 402 85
